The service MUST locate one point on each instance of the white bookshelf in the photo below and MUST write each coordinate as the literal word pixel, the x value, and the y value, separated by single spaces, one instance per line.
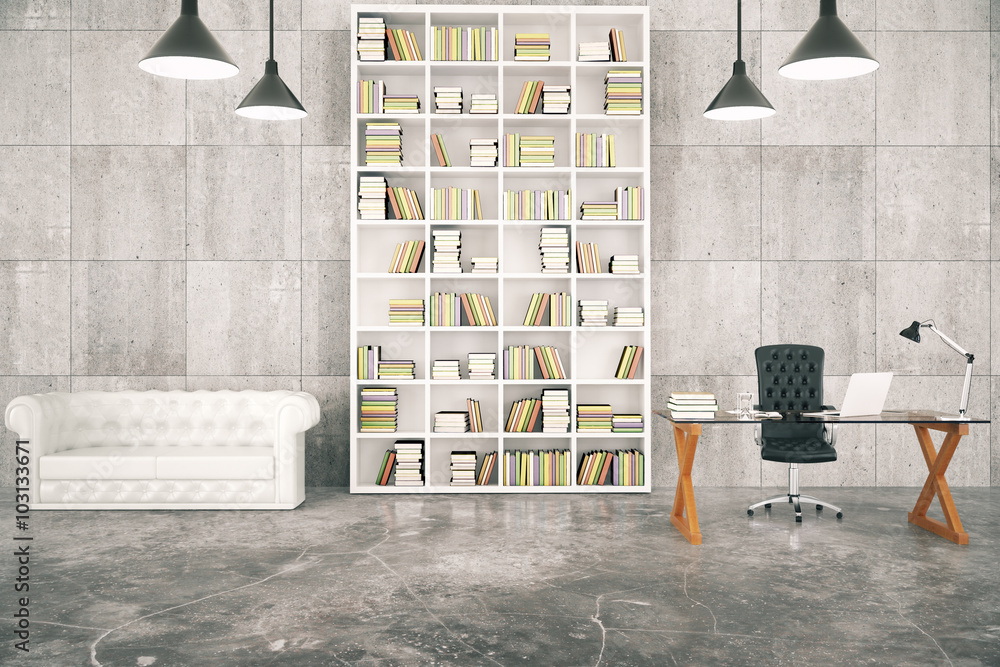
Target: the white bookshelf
pixel 590 354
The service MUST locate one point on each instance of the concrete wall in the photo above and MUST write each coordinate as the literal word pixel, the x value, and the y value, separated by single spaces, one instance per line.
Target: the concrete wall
pixel 150 238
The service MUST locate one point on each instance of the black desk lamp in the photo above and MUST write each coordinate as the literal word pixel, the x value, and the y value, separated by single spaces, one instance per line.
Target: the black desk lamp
pixel 913 333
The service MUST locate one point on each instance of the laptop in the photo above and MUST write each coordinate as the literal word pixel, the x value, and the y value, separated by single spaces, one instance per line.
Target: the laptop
pixel 866 394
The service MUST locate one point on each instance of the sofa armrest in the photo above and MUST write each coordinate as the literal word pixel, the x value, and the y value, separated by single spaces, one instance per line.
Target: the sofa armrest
pixel 35 418
pixel 294 415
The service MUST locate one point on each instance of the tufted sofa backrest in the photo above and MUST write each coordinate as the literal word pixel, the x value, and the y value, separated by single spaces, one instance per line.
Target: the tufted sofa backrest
pixel 790 377
pixel 164 418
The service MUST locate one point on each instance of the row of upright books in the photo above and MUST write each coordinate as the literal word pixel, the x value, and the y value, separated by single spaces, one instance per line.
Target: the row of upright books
pixel 538 205
pixel 469 44
pixel 595 150
pixel 624 467
pixel 450 203
pixel 446 310
pixel 519 362
pixel 560 308
pixel 373 36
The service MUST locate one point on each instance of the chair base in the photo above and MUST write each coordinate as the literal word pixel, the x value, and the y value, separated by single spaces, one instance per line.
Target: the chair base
pixel 794 497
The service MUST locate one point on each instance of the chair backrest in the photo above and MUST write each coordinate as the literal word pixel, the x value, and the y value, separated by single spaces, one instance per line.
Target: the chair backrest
pixel 790 377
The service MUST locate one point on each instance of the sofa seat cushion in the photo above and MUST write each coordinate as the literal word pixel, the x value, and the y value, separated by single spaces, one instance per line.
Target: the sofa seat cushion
pixel 159 463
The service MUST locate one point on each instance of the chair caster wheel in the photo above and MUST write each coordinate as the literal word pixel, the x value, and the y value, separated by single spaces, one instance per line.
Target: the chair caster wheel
pixel 819 507
pixel 798 519
pixel 840 515
pixel 768 505
pixel 749 512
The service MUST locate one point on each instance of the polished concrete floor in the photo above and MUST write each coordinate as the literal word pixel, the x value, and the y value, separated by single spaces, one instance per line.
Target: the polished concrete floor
pixel 513 580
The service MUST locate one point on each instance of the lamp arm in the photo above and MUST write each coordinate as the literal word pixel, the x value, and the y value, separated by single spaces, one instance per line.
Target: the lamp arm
pixel 952 344
pixel 964 406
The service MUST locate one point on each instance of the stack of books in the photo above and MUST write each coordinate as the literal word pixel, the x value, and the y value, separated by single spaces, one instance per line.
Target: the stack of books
pixel 385 470
pixel 371 39
pixel 550 362
pixel 593 312
pixel 475 415
pixel 629 362
pixel 626 423
pixel 406 258
pixel 595 150
pixel 482 365
pixel 555 410
pixel 368 357
pixel 588 258
pixel 554 248
pixel 629 202
pixel 378 409
pixel 627 316
pixel 624 264
pixel 371 197
pixel 531 46
pixel 383 144
pixel 536 151
pixel 617 43
pixel 593 418
pixel 400 104
pixel 445 369
pixel 456 204
pixel 555 99
pixel 523 415
pixel 446 309
pixel 451 422
pixel 621 468
pixel 623 92
pixel 440 151
pixel 465 43
pixel 447 251
pixel 484 103
pixel 405 205
pixel 537 205
pixel 406 312
pixel 593 52
pixel 692 405
pixel 463 468
pixel 599 210
pixel 537 468
pixel 447 99
pixel 527 100
pixel 486 469
pixel 595 468
pixel 518 362
pixel 396 369
pixel 485 264
pixel 409 462
pixel 403 44
pixel 483 152
pixel 370 94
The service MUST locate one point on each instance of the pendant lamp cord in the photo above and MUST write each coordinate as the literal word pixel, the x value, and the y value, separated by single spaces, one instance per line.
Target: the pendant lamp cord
pixel 739 29
pixel 272 30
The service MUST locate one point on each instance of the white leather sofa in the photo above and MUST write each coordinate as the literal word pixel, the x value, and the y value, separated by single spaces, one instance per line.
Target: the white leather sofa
pixel 165 449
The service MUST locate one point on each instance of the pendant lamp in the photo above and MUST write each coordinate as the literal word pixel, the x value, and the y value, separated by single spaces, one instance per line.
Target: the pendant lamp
pixel 828 51
pixel 187 50
pixel 739 99
pixel 271 99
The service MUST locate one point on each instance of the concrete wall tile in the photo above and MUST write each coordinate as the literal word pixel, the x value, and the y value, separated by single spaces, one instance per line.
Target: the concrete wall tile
pixel 127 15
pixel 933 203
pixel 712 333
pixel 707 203
pixel 995 201
pixel 328 444
pixel 995 86
pixel 244 202
pixel 115 102
pixel 800 16
pixel 829 304
pixel 929 15
pixel 35 15
pixel 244 382
pixel 128 318
pixel 128 202
pixel 334 14
pixel 212 118
pixel 244 318
pixel 324 69
pixel 954 294
pixel 251 15
pixel 933 88
pixel 900 462
pixel 34 318
pixel 35 203
pixel 669 15
pixel 326 202
pixel 326 318
pixel 994 318
pixel 35 106
pixel 128 382
pixel 839 113
pixel 994 432
pixel 688 70
pixel 818 203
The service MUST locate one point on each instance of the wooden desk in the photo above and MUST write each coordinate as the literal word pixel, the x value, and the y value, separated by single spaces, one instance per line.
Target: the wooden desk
pixel 684 514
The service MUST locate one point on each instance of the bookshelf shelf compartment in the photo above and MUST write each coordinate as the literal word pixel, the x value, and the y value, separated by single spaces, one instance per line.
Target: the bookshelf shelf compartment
pixel 589 355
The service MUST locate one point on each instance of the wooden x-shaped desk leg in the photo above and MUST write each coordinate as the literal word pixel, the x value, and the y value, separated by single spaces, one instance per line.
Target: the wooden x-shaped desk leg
pixel 686 439
pixel 937 465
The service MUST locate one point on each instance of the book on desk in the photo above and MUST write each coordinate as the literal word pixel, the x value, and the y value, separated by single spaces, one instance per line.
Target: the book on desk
pixel 692 405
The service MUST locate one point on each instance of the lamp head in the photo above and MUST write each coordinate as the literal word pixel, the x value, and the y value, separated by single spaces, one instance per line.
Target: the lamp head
pixel 912 332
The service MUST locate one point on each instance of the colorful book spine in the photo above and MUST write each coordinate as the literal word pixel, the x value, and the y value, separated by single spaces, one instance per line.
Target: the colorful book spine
pixel 406 258
pixel 456 204
pixel 403 44
pixel 628 364
pixel 538 205
pixel 457 43
pixel 595 150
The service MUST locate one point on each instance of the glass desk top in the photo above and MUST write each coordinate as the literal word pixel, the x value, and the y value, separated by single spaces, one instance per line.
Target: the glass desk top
pixel 886 417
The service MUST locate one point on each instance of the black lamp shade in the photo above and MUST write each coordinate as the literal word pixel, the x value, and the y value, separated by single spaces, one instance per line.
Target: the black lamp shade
pixel 270 98
pixel 828 51
pixel 187 50
pixel 912 332
pixel 739 99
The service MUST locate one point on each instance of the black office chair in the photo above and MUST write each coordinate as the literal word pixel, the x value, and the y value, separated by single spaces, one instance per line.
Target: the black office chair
pixel 790 378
